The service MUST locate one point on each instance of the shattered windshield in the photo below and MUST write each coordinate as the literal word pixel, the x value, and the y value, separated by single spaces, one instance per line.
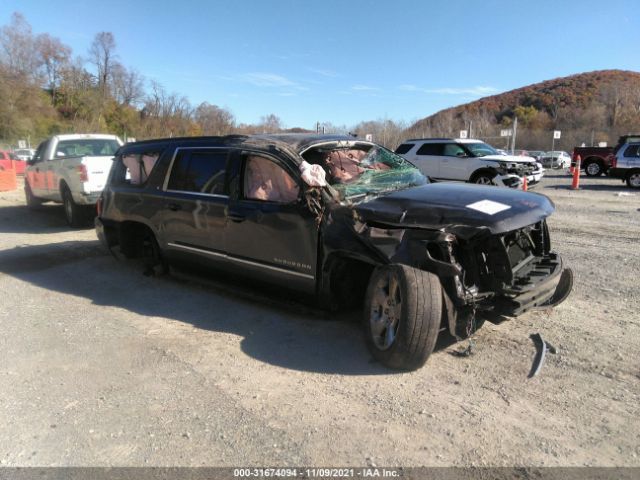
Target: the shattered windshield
pixel 481 149
pixel 357 171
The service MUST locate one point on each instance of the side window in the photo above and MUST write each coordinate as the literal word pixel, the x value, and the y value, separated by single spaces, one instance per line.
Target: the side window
pixel 454 150
pixel 199 171
pixel 632 151
pixel 37 157
pixel 265 180
pixel 138 167
pixel 404 148
pixel 430 149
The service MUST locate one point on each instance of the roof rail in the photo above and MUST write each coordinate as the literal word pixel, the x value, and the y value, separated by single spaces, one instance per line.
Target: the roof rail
pixel 420 139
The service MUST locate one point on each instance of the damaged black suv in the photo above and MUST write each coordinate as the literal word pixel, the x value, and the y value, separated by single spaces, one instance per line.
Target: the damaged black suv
pixel 343 219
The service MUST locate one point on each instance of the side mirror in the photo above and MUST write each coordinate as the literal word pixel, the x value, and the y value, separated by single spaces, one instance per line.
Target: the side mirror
pixel 31 161
pixel 461 155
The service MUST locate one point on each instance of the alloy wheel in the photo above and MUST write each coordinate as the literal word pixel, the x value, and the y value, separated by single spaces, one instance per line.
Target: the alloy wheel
pixel 386 308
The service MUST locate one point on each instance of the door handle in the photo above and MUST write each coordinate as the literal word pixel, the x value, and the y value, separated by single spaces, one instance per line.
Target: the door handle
pixel 236 218
pixel 174 207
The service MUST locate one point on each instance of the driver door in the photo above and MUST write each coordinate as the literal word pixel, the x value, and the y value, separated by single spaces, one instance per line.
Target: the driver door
pixel 271 234
pixel 36 173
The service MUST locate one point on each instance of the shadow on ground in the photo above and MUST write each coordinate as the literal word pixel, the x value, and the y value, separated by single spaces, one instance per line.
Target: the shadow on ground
pixel 47 218
pixel 277 327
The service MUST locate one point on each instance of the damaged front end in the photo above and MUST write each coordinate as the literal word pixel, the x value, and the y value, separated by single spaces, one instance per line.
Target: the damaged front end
pixel 511 174
pixel 482 273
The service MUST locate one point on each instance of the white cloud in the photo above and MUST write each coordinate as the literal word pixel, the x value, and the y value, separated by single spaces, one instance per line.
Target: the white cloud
pixel 267 80
pixel 364 88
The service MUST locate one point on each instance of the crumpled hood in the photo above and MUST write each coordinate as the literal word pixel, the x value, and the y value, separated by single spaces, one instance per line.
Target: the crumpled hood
pixel 438 205
pixel 509 158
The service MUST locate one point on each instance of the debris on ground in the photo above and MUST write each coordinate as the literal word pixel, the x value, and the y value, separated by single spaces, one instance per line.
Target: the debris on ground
pixel 542 347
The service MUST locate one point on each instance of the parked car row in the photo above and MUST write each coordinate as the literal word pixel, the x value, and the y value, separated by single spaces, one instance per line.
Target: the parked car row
pixel 597 161
pixel 10 161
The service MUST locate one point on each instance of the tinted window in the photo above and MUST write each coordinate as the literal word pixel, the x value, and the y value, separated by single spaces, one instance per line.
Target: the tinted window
pixel 631 151
pixel 430 149
pixel 404 148
pixel 202 172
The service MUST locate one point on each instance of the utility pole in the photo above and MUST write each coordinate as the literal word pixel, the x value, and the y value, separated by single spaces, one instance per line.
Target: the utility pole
pixel 515 131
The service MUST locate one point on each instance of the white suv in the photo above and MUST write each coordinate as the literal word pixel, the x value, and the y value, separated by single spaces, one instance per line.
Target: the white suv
pixel 626 164
pixel 469 160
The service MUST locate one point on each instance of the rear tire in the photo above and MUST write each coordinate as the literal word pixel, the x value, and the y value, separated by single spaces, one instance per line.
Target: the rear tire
pixel 593 168
pixel 74 213
pixel 403 311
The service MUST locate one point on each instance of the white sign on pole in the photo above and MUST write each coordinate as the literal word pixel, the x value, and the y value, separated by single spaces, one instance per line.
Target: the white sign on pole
pixel 506 133
pixel 602 144
pixel 556 134
pixel 22 144
pixel 368 137
pixel 463 133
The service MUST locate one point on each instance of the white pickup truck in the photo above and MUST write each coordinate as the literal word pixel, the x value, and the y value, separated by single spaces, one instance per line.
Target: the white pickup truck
pixel 70 169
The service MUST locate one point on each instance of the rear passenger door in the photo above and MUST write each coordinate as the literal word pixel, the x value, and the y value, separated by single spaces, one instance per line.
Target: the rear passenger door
pixel 631 157
pixel 456 162
pixel 195 199
pixel 428 158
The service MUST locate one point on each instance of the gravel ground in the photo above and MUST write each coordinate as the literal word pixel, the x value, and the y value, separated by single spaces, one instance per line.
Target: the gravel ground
pixel 102 366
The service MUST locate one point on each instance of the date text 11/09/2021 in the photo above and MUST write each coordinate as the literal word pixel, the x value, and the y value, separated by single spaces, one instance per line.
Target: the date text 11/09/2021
pixel 366 472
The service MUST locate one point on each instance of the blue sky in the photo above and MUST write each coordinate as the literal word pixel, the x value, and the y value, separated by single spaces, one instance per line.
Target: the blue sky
pixel 346 61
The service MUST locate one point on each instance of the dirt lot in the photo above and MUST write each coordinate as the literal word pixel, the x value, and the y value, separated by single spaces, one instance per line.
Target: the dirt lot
pixel 100 365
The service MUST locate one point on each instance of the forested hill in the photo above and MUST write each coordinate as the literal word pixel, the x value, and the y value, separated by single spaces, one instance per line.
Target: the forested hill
pixel 596 105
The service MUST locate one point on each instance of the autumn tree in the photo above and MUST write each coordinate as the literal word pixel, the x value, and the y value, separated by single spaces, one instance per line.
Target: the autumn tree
pixel 102 55
pixel 214 120
pixel 127 85
pixel 270 123
pixel 18 49
pixel 54 56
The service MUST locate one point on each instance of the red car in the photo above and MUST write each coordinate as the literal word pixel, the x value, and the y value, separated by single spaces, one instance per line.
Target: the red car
pixel 9 160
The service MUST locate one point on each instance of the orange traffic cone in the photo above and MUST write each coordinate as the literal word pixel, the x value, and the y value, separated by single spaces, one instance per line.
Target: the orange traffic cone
pixel 524 183
pixel 575 183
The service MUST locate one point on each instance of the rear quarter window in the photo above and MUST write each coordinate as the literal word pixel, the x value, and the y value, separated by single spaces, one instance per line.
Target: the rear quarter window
pixel 134 168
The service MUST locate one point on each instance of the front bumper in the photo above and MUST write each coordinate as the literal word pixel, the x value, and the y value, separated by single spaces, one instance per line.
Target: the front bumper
pixel 541 282
pixel 620 173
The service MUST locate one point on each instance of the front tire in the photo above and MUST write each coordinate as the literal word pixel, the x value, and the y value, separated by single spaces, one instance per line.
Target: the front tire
pixel 403 310
pixel 633 179
pixel 31 199
pixel 483 178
